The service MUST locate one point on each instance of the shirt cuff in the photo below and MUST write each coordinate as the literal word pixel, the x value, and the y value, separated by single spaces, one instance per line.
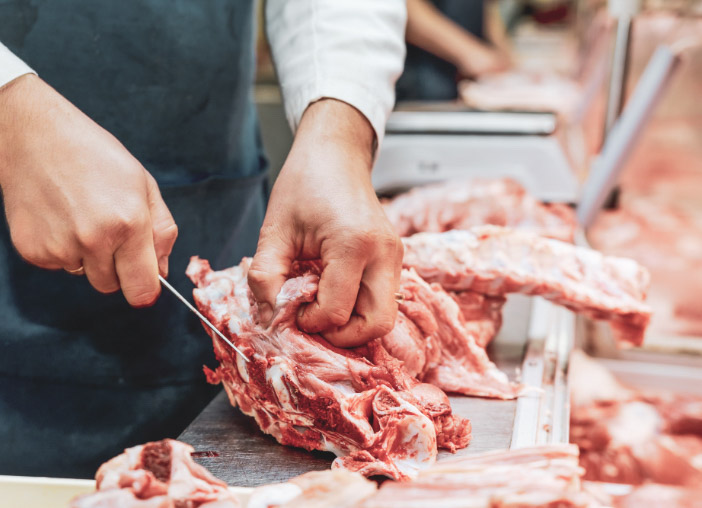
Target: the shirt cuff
pixel 11 67
pixel 355 95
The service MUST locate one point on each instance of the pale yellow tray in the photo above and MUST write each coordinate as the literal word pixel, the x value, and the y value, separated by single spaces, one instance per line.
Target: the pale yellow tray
pixel 34 492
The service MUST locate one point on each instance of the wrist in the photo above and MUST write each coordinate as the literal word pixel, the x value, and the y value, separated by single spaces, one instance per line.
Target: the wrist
pixel 15 99
pixel 330 123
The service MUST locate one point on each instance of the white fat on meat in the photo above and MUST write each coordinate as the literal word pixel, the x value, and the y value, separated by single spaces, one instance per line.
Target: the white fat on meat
pixel 522 90
pixel 496 261
pixel 319 489
pixel 466 203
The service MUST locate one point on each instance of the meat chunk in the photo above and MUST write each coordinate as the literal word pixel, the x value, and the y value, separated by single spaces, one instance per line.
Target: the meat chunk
pixel 463 204
pixel 453 348
pixel 528 477
pixel 482 314
pixel 522 91
pixel 627 436
pixel 307 393
pixel 319 489
pixel 156 475
pixel 495 261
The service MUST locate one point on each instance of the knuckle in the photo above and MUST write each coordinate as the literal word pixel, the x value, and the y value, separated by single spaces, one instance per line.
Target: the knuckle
pixel 141 296
pixel 126 223
pixel 106 287
pixel 28 248
pixel 170 232
pixel 382 326
pixel 337 316
pixel 257 276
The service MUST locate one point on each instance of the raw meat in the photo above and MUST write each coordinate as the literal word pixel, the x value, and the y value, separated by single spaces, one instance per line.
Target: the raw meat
pixel 668 241
pixel 320 489
pixel 463 204
pixel 632 437
pixel 482 314
pixel 495 261
pixel 528 477
pixel 522 91
pixel 307 393
pixel 452 348
pixel 156 475
pixel 656 496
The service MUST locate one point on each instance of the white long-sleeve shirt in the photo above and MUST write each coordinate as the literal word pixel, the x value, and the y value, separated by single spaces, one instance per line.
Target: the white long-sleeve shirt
pixel 350 50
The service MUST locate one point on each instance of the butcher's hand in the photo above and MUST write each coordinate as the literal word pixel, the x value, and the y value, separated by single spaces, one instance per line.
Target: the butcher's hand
pixel 75 197
pixel 323 207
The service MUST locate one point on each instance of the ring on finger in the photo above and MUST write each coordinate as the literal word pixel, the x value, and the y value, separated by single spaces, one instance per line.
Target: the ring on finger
pixel 78 271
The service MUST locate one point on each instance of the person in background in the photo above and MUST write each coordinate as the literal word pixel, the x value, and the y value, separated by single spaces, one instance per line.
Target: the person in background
pixel 134 126
pixel 450 40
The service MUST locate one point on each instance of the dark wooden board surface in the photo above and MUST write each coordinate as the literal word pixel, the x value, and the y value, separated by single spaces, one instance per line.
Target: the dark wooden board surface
pixel 233 448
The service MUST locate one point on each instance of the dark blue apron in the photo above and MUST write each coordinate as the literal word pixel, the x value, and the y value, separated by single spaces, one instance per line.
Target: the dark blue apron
pixel 83 375
pixel 429 78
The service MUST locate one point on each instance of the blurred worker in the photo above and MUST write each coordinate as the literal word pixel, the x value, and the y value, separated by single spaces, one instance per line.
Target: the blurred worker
pixel 450 40
pixel 139 128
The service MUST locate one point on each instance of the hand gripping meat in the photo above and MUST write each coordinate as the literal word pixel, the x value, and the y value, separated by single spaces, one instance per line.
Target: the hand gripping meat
pixel 305 392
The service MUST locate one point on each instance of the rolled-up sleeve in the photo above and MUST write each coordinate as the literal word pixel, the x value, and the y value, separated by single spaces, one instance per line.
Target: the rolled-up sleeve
pixel 11 66
pixel 350 50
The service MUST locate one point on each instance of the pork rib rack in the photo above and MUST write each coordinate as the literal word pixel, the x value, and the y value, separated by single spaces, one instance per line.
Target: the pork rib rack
pixel 304 392
pixel 494 261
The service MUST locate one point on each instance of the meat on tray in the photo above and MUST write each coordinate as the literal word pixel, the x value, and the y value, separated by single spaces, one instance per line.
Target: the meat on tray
pixel 495 261
pixel 156 475
pixel 528 477
pixel 463 204
pixel 632 437
pixel 304 392
pixel 522 90
pixel 335 488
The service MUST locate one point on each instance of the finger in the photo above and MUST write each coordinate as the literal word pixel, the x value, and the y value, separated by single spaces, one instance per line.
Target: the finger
pixel 164 227
pixel 137 268
pixel 375 310
pixel 269 270
pixel 100 270
pixel 338 288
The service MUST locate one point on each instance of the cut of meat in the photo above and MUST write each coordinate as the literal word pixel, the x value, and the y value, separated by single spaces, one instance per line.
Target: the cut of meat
pixel 495 261
pixel 528 477
pixel 482 314
pixel 307 393
pixel 453 359
pixel 522 91
pixel 463 204
pixel 626 436
pixel 320 489
pixel 156 475
pixel 656 496
pixel 667 239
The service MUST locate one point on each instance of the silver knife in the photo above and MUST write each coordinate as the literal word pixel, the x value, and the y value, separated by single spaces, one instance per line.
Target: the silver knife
pixel 199 314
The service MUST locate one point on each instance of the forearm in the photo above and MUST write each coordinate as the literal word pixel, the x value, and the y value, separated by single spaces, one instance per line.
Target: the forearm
pixel 430 30
pixel 495 28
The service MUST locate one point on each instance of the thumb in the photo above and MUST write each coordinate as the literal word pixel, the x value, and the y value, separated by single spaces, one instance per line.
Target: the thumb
pixel 269 270
pixel 164 227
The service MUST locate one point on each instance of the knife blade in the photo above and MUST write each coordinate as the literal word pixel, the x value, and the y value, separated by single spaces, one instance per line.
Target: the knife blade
pixel 199 314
